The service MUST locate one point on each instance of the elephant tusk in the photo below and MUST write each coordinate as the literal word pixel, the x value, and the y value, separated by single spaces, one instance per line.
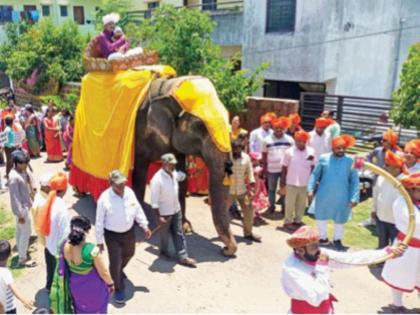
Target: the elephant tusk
pixel 360 163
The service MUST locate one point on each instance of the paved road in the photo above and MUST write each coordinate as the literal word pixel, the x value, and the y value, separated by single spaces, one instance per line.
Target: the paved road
pixel 248 283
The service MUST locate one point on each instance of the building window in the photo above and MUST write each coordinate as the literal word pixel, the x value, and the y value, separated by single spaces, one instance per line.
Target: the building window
pixel 45 10
pixel 152 5
pixel 6 13
pixel 63 10
pixel 281 15
pixel 79 15
pixel 209 5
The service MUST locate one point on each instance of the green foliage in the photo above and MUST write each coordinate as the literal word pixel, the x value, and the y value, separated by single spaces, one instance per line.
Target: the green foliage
pixel 67 101
pixel 117 6
pixel 183 39
pixel 53 53
pixel 406 105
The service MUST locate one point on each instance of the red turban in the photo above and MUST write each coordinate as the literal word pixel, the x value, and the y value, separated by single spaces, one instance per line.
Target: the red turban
pixel 302 135
pixel 413 147
pixel 391 137
pixel 344 140
pixel 304 236
pixel 282 122
pixel 295 119
pixel 394 159
pixel 411 181
pixel 323 122
pixel 43 220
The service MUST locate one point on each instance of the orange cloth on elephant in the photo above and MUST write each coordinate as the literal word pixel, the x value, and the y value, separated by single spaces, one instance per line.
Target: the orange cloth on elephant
pixel 52 140
pixel 411 181
pixel 302 135
pixel 413 147
pixel 343 140
pixel 282 122
pixel 58 182
pixel 391 137
pixel 394 159
pixel 323 122
pixel 304 236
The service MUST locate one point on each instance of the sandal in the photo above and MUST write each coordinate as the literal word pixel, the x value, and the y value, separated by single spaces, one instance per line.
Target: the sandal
pixel 27 264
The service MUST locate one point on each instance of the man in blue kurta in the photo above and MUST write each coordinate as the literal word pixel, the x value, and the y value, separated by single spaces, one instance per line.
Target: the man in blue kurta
pixel 338 189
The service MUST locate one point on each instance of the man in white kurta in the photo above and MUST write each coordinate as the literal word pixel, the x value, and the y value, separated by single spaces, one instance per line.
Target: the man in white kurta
pixel 258 135
pixel 320 140
pixel 403 274
pixel 306 273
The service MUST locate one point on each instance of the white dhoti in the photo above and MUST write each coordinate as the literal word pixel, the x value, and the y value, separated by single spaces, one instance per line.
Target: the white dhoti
pixel 403 273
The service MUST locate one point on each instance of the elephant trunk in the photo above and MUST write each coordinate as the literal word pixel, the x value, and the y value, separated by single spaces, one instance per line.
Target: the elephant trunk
pixel 219 207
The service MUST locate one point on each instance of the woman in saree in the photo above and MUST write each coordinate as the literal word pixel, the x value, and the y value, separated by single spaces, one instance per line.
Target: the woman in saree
pixel 82 283
pixel 52 138
pixel 33 133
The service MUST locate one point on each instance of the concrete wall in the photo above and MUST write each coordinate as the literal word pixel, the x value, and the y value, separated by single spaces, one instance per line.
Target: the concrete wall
pixel 361 66
pixel 229 29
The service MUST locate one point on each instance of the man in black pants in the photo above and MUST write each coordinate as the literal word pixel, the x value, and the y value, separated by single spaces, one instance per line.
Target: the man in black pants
pixel 117 210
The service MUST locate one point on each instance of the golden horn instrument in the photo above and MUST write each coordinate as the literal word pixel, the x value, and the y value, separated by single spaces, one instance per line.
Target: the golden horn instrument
pixel 360 163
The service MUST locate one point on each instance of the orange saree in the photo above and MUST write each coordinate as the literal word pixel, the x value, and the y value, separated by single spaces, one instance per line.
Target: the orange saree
pixel 52 141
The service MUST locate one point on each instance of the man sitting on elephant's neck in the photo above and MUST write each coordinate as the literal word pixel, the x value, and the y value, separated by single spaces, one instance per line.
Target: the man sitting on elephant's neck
pixel 243 173
pixel 106 44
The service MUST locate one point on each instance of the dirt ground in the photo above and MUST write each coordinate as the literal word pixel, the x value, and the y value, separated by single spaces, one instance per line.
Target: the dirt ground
pixel 249 283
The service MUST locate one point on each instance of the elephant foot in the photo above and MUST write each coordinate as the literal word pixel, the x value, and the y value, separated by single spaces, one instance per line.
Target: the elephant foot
pixel 187 227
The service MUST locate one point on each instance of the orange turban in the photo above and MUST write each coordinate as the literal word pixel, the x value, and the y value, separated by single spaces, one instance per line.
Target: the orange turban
pixel 394 159
pixel 295 119
pixel 411 181
pixel 344 140
pixel 413 147
pixel 264 119
pixel 302 135
pixel 282 122
pixel 323 122
pixel 43 220
pixel 272 116
pixel 391 137
pixel 304 236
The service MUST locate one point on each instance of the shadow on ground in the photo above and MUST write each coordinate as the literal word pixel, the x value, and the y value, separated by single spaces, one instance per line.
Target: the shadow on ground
pixel 129 290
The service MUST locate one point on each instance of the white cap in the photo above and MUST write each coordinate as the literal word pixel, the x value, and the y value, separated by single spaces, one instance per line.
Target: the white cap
pixel 109 18
pixel 45 179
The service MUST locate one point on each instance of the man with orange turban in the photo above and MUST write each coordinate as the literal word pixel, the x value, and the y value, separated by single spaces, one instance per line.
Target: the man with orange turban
pixel 333 128
pixel 384 195
pixel 320 140
pixel 306 273
pixel 295 124
pixel 297 166
pixel 258 135
pixel 53 222
pixel 389 142
pixel 338 190
pixel 274 148
pixel 412 155
pixel 403 274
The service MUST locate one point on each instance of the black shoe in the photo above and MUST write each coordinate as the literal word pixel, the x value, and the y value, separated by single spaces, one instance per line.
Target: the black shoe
pixel 324 242
pixel 271 209
pixel 253 237
pixel 339 246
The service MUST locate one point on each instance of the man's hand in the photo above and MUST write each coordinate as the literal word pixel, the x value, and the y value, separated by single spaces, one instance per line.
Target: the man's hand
pixel 162 220
pixel 28 304
pixel 147 233
pixel 310 196
pixel 373 215
pixel 398 250
pixel 21 220
pixel 101 248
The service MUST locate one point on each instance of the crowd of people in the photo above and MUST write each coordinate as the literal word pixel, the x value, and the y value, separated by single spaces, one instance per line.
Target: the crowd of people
pixel 306 171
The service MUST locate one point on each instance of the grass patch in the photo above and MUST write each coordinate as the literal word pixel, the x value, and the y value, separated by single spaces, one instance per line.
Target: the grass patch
pixel 355 236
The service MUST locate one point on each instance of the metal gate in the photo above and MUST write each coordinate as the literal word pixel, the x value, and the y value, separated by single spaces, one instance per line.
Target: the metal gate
pixel 364 118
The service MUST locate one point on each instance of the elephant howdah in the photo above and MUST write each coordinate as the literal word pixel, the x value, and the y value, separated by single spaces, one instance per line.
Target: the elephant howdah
pixel 128 119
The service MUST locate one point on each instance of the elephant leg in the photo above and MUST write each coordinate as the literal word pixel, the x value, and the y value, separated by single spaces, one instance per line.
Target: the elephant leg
pixel 139 178
pixel 186 224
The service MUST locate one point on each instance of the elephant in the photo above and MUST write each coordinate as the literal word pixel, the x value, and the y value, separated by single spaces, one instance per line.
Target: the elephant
pixel 161 127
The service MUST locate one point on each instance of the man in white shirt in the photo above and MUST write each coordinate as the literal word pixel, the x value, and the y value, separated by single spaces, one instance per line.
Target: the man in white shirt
pixel 412 155
pixel 258 135
pixel 117 211
pixel 384 195
pixel 306 273
pixel 164 191
pixel 320 140
pixel 274 148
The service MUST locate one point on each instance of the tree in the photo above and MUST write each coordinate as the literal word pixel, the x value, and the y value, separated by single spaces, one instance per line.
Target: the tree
pixel 183 39
pixel 44 56
pixel 406 100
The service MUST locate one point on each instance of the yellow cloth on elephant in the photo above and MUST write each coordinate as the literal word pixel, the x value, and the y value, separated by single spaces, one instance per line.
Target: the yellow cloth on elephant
pixel 105 121
pixel 197 96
